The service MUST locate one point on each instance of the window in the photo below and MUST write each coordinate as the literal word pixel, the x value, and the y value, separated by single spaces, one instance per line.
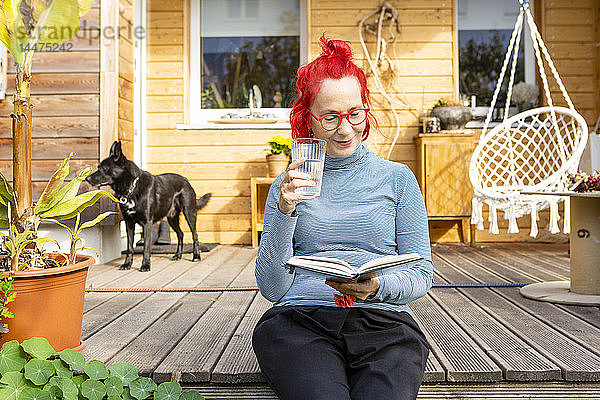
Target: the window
pixel 240 48
pixel 484 31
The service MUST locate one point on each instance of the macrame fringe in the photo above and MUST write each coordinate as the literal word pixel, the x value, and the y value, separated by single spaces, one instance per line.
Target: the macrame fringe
pixel 493 220
pixel 477 213
pixel 554 217
pixel 534 218
pixel 512 220
pixel 567 222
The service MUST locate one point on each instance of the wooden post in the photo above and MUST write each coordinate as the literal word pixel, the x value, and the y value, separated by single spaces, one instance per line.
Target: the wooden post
pixel 21 131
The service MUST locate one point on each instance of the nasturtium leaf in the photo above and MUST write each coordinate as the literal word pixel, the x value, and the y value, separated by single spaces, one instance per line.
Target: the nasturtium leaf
pixel 39 371
pixel 114 398
pixel 14 383
pixel 96 370
pixel 142 387
pixel 54 391
pixel 74 358
pixel 93 389
pixel 67 387
pixel 191 395
pixel 78 380
pixel 114 386
pixel 126 372
pixel 12 357
pixel 62 368
pixel 38 347
pixel 168 391
pixel 34 394
pixel 127 395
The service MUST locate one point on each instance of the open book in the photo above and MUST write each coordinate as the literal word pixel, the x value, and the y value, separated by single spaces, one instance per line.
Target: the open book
pixel 333 267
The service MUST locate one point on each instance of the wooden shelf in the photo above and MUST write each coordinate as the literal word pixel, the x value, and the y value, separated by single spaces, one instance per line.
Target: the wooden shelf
pixel 259 189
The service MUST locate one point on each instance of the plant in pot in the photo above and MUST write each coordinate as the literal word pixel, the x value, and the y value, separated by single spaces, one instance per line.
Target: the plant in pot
pixel 278 157
pixel 49 287
pixel 451 113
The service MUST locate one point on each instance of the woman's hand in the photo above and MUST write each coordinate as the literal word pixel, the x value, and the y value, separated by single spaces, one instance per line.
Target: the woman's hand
pixel 367 286
pixel 292 180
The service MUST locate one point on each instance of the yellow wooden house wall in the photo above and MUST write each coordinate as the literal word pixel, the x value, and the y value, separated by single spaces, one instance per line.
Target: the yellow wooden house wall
pixel 66 98
pixel 426 68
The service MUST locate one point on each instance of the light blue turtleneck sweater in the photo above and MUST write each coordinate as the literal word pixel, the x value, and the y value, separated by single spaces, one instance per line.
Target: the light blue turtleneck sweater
pixel 369 207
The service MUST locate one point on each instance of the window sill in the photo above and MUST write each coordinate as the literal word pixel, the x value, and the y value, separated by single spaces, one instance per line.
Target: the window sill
pixel 207 126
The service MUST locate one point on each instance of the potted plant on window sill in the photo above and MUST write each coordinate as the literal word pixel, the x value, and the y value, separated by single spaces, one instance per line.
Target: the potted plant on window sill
pixel 452 114
pixel 278 157
pixel 49 287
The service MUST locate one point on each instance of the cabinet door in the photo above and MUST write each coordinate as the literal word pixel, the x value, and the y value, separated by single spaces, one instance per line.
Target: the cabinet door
pixel 448 190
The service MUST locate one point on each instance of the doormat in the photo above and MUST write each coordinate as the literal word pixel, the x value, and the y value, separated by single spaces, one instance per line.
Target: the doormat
pixel 171 248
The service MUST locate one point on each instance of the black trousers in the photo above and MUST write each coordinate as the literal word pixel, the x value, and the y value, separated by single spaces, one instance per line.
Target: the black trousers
pixel 331 353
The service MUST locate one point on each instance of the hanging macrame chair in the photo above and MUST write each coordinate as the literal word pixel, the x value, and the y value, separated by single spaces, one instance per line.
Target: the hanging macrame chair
pixel 533 151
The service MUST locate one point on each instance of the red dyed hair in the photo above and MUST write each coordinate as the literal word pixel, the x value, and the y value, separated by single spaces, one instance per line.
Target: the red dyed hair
pixel 334 62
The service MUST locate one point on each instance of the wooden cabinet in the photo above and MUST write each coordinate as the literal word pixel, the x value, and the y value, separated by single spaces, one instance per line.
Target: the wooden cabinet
pixel 443 174
pixel 259 189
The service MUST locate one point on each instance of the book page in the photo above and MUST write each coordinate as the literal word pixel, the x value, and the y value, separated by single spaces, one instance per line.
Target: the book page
pixel 388 261
pixel 325 265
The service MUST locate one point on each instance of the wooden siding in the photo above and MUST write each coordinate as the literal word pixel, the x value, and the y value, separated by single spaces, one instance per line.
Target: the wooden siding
pixel 65 93
pixel 126 76
pixel 424 59
pixel 571 32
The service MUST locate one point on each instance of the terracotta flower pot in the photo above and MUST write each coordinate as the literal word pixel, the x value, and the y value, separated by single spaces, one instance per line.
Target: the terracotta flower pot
pixel 49 303
pixel 277 163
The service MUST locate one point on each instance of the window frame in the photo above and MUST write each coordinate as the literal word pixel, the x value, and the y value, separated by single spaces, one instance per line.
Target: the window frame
pixel 199 117
pixel 529 53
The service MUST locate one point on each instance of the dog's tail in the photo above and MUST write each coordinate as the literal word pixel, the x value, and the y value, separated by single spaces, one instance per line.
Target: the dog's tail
pixel 201 202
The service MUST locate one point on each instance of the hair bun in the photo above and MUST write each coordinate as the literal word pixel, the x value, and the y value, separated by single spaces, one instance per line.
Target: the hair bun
pixel 336 48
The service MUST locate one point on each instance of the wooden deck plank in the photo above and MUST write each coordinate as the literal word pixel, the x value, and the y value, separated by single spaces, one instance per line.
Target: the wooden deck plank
pixel 110 310
pixel 590 314
pixel 460 356
pixel 434 372
pixel 497 267
pixel 518 361
pixel 576 362
pixel 195 355
pixel 147 350
pixel 549 260
pixel 238 363
pixel 534 267
pixel 577 330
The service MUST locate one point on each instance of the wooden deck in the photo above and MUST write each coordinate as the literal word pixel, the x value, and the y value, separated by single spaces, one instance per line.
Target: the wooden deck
pixel 485 338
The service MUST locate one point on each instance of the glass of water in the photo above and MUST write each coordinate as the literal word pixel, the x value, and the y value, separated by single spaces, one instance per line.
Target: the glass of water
pixel 313 153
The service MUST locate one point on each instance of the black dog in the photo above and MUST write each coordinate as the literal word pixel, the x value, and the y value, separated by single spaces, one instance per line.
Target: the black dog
pixel 145 199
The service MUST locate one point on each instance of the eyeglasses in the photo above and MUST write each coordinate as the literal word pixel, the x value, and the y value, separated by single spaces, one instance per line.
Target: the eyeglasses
pixel 330 122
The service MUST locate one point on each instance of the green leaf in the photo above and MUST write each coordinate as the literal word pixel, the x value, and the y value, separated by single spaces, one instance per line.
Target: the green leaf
pixel 62 368
pixel 67 192
pixel 93 389
pixel 6 193
pixel 67 387
pixel 114 398
pixel 142 387
pixel 53 186
pixel 126 372
pixel 34 394
pixel 114 386
pixel 54 391
pixel 95 220
pixel 70 208
pixel 12 357
pixel 191 395
pixel 168 391
pixel 78 380
pixel 127 394
pixel 96 369
pixel 39 371
pixel 14 383
pixel 74 358
pixel 38 347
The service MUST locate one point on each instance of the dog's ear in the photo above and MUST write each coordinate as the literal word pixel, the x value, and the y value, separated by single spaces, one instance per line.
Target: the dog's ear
pixel 115 151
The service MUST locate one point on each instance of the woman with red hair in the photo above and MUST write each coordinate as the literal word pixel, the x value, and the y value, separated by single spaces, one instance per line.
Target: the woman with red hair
pixel 342 340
